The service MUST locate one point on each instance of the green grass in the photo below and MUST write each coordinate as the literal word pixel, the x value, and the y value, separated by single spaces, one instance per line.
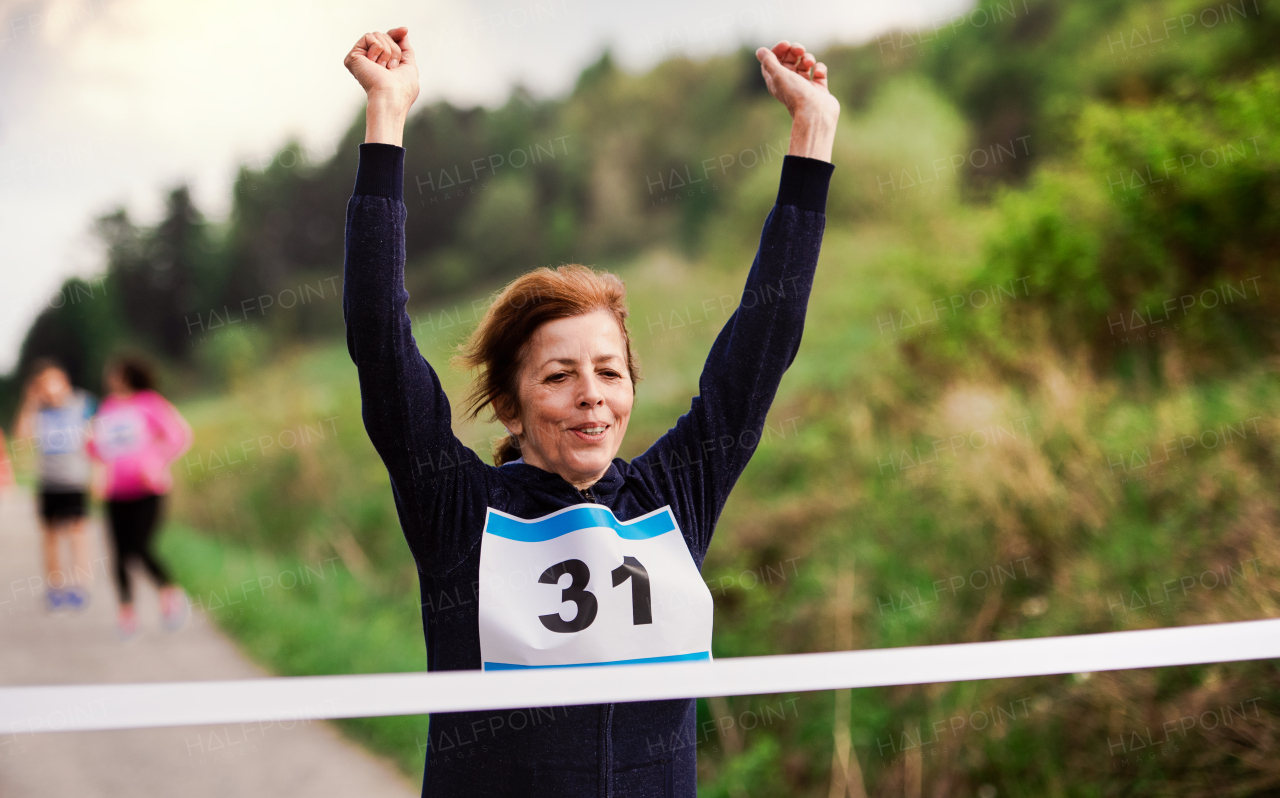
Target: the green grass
pixel 1047 504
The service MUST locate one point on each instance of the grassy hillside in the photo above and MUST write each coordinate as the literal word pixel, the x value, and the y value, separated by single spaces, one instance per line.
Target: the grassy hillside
pixel 1014 486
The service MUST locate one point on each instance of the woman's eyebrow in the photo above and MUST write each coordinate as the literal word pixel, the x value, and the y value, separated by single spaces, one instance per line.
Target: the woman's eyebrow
pixel 569 361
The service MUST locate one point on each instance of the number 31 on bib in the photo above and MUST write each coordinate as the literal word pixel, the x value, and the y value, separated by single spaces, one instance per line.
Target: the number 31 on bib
pixel 579 587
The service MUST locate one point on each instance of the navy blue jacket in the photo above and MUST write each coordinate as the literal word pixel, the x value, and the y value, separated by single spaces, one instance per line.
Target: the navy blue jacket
pixel 442 490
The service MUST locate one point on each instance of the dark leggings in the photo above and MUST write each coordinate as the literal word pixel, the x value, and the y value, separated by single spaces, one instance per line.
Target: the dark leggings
pixel 132 525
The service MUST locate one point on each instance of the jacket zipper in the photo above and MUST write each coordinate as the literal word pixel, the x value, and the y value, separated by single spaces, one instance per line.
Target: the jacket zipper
pixel 605 789
pixel 606 771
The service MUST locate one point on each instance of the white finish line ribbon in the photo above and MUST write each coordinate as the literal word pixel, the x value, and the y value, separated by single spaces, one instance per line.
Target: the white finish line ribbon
pixel 131 706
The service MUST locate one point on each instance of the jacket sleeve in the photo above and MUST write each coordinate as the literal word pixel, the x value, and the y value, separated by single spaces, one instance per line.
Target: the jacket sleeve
pixel 698 461
pixel 439 485
pixel 176 435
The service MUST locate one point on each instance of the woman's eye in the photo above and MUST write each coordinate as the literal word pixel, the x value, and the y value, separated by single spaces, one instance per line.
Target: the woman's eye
pixel 557 377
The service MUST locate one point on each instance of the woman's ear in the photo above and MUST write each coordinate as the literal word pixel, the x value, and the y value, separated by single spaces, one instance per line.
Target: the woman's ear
pixel 508 419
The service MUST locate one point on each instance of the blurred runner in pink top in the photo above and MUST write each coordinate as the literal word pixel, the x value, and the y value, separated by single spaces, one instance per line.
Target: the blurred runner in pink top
pixel 138 435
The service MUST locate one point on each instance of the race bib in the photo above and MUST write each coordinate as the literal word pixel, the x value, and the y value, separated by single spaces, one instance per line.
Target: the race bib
pixel 119 432
pixel 579 587
pixel 62 430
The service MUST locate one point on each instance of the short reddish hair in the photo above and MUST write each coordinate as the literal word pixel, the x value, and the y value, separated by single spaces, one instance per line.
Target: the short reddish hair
pixel 499 343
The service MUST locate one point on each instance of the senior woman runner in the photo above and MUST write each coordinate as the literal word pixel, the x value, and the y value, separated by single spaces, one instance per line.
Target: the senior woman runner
pixel 563 554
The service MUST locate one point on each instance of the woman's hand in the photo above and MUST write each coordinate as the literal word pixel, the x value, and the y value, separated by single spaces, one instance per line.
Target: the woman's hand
pixel 787 70
pixel 387 69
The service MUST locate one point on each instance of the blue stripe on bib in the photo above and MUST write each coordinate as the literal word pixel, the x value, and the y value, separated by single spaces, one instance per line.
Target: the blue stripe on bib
pixel 584 516
pixel 697 655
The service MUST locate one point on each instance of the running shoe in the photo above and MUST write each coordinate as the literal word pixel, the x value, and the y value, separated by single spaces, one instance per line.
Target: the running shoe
pixel 77 598
pixel 174 608
pixel 54 599
pixel 127 624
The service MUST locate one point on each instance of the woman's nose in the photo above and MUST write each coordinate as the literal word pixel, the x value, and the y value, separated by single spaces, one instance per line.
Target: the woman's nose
pixel 591 393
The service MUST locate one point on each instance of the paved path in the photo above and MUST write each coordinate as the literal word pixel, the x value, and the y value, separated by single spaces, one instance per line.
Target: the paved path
pixel 36 647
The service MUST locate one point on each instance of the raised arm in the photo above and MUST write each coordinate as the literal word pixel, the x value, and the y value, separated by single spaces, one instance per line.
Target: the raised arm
pixel 24 426
pixel 406 413
pixel 710 445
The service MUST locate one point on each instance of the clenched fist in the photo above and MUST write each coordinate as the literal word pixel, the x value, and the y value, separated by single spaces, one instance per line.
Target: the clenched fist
pixel 387 70
pixel 799 81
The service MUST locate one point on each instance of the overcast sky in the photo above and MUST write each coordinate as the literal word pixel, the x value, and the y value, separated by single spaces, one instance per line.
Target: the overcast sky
pixel 109 102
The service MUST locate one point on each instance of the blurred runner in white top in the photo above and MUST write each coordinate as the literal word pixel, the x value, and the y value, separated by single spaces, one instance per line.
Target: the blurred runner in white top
pixel 54 422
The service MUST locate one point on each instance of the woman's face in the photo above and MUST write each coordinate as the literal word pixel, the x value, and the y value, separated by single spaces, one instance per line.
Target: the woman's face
pixel 575 397
pixel 115 382
pixel 52 386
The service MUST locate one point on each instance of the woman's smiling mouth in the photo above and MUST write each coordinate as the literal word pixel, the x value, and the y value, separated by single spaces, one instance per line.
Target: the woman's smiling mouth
pixel 591 433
